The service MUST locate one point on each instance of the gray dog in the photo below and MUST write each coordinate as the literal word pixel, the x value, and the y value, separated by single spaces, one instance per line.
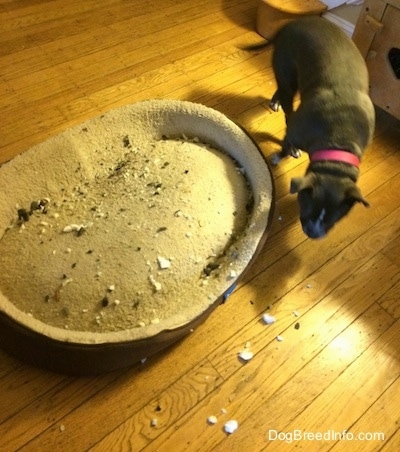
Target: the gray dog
pixel 334 122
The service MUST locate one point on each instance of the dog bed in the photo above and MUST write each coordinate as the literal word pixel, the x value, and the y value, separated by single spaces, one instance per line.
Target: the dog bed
pixel 122 234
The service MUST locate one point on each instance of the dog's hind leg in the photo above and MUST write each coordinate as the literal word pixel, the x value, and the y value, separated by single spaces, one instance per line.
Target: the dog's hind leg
pixel 283 98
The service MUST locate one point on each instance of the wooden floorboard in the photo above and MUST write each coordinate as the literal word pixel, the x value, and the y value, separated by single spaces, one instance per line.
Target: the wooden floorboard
pixel 338 367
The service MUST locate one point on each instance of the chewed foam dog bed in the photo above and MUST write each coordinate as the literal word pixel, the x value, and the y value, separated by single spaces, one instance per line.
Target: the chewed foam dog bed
pixel 120 235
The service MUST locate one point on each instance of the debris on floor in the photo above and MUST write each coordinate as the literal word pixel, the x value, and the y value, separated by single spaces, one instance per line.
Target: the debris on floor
pixel 231 426
pixel 246 355
pixel 268 319
pixel 212 420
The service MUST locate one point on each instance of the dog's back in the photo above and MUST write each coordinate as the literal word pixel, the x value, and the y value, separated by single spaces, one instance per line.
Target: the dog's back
pixel 317 59
pixel 318 52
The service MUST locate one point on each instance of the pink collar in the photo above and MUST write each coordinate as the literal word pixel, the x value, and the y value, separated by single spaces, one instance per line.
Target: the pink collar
pixel 336 155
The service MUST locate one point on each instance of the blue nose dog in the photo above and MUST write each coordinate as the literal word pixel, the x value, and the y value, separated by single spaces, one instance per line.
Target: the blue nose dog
pixel 334 122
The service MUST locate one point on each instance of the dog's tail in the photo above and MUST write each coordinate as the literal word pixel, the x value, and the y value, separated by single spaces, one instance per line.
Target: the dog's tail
pixel 260 46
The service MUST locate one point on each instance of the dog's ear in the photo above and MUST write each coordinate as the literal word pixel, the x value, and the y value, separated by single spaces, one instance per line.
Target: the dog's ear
pixel 353 195
pixel 301 183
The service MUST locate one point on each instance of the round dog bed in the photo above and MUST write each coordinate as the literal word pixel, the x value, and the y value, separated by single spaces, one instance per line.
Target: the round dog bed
pixel 122 234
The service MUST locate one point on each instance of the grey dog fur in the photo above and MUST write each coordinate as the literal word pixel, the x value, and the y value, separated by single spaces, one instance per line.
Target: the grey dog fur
pixel 316 59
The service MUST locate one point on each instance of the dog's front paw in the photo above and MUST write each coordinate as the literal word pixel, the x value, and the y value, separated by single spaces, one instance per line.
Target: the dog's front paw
pixel 296 153
pixel 274 105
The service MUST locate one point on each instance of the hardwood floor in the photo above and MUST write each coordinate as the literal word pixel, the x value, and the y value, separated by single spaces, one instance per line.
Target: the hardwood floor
pixel 337 369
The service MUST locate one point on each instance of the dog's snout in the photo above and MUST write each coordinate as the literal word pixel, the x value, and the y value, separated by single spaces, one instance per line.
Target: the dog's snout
pixel 314 230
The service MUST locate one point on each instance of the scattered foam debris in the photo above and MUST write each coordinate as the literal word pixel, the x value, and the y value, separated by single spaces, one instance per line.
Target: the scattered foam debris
pixel 163 263
pixel 232 274
pixel 268 319
pixel 246 355
pixel 73 227
pixel 156 285
pixel 212 420
pixel 154 422
pixel 231 426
